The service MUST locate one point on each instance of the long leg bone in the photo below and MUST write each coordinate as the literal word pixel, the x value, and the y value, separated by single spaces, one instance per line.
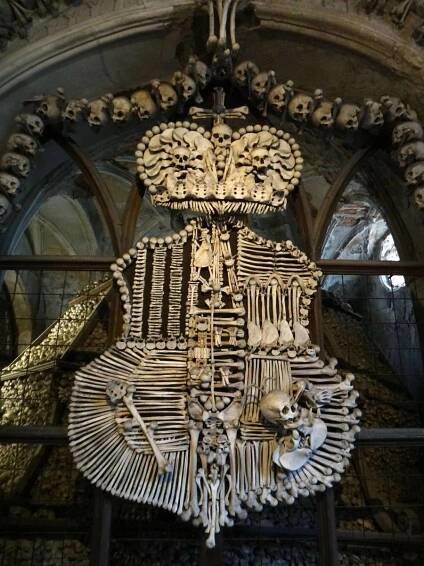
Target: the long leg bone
pixel 117 391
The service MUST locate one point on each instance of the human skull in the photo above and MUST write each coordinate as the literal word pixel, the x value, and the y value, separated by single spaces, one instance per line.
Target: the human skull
pixel 16 163
pixel 143 104
pixel 121 109
pixel 393 108
pixel 181 157
pixel 371 115
pixel 199 71
pixel 75 108
pixel 184 84
pixel 9 183
pixel 413 151
pixel 261 84
pixel 300 107
pixel 277 98
pixel 4 206
pixel 348 117
pixel 244 72
pixel 419 197
pixel 407 132
pixel 221 135
pixel 98 111
pixel 51 106
pixel 32 123
pixel 166 95
pixel 414 173
pixel 323 115
pixel 23 142
pixel 260 158
pixel 278 407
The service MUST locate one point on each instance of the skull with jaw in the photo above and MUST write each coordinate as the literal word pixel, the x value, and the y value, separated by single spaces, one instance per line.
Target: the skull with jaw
pixel 279 408
pixel 300 107
pixel 143 104
pixel 260 159
pixel 181 157
pixel 221 135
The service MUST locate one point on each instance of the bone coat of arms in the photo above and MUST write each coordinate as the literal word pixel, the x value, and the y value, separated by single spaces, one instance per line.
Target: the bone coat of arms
pixel 214 401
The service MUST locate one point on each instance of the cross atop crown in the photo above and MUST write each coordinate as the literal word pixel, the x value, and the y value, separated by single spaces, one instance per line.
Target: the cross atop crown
pixel 219 113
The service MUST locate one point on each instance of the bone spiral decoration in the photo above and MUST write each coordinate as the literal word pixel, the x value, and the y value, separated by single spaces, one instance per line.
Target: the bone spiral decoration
pixel 214 401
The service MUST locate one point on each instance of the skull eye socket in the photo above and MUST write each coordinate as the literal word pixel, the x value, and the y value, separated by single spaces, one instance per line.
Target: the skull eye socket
pixel 226 136
pixel 285 410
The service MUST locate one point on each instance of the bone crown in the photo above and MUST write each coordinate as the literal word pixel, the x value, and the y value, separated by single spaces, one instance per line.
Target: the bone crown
pixel 251 170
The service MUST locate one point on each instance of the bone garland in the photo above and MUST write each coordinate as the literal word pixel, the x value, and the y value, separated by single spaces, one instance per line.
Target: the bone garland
pixel 175 284
pixel 156 296
pixel 389 112
pixel 138 292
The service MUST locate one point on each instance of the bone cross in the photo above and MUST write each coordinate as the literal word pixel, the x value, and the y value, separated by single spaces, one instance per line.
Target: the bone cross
pixel 219 113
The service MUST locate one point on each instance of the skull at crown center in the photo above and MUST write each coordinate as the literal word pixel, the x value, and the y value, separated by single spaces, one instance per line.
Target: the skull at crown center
pixel 221 135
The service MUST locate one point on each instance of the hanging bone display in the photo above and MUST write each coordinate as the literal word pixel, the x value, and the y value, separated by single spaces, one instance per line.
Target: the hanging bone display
pixel 214 401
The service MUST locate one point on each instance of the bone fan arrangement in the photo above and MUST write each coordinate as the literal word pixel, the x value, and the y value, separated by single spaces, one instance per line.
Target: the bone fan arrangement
pixel 214 400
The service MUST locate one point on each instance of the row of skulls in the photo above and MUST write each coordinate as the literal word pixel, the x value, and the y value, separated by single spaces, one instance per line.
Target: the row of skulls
pixel 262 88
pixel 390 113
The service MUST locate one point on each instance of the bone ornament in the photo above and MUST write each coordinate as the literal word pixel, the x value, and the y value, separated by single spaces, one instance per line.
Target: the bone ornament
pixel 9 183
pixel 214 401
pixel 165 95
pixel 279 96
pixel 244 72
pixel 15 163
pixel 30 123
pixel 143 104
pixel 324 112
pixel 24 143
pixel 371 116
pixel 121 109
pixel 98 111
pixel 75 109
pixel 300 107
pixel 419 197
